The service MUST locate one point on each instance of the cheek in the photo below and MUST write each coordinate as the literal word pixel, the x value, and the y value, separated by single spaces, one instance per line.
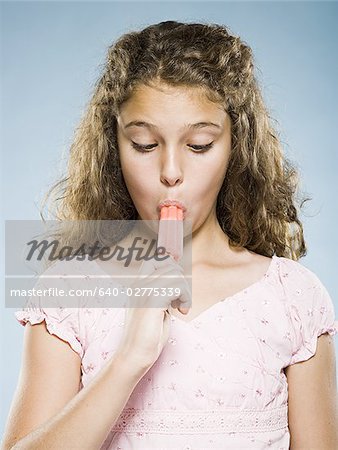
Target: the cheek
pixel 208 177
pixel 139 177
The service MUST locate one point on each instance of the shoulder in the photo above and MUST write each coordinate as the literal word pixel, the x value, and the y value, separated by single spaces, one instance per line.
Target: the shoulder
pixel 302 286
pixel 295 275
pixel 62 298
pixel 297 267
pixel 310 307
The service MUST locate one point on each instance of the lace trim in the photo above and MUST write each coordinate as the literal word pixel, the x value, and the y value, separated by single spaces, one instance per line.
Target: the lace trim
pixel 190 422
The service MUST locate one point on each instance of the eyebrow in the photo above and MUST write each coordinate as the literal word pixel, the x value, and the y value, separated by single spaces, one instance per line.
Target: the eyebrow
pixel 138 123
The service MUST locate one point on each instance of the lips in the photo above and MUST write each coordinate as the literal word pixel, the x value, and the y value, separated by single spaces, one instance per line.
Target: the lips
pixel 172 202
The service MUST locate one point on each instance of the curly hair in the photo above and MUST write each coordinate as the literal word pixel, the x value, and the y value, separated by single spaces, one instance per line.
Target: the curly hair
pixel 257 205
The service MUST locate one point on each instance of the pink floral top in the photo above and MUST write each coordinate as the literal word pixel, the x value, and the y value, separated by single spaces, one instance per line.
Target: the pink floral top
pixel 219 381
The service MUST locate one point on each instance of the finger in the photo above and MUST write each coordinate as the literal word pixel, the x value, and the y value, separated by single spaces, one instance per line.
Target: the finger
pixel 161 274
pixel 165 260
pixel 185 300
pixel 175 303
pixel 151 265
pixel 147 267
pixel 178 304
pixel 183 310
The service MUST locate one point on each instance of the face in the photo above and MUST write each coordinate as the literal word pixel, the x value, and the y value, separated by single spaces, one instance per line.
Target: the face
pixel 175 144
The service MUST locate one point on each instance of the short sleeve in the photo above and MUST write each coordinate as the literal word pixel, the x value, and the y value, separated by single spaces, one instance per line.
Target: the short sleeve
pixel 62 322
pixel 312 314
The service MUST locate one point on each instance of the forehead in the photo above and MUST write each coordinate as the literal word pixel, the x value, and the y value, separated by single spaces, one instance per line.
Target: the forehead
pixel 160 102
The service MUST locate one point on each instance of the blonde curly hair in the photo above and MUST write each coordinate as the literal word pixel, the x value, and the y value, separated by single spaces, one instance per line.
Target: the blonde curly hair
pixel 257 205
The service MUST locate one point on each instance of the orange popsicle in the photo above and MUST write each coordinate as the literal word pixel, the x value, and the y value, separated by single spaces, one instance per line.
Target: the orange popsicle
pixel 170 232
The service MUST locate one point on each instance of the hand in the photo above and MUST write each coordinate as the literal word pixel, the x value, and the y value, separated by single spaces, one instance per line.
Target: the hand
pixel 147 328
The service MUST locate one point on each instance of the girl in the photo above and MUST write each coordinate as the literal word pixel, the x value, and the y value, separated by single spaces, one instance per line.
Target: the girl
pixel 177 114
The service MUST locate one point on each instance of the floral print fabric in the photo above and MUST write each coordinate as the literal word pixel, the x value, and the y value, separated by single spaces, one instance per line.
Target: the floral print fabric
pixel 219 381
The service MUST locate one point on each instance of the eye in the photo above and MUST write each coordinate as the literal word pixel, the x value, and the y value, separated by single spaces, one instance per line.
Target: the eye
pixel 196 148
pixel 201 148
pixel 142 148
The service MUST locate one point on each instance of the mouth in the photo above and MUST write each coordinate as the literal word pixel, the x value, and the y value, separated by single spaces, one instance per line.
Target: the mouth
pixel 169 202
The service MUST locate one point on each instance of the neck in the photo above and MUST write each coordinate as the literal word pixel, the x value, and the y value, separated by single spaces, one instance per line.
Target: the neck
pixel 208 244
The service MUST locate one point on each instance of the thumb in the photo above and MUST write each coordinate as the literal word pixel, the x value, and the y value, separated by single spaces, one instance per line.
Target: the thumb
pixel 147 267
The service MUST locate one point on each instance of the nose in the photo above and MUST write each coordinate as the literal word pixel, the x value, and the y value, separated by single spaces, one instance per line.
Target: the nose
pixel 171 171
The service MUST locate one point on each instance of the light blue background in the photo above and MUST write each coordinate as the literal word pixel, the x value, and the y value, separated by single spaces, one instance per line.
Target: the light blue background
pixel 51 56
